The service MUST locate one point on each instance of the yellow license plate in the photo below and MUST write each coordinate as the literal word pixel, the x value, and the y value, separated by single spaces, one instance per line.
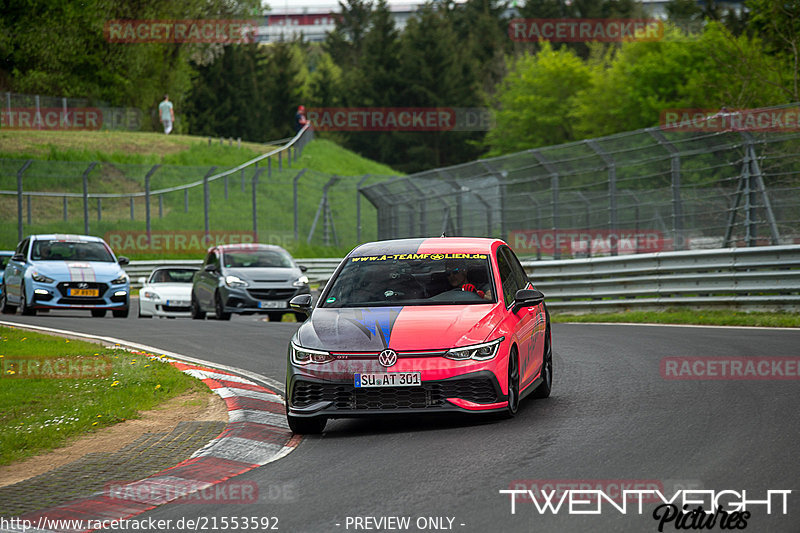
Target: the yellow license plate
pixel 84 292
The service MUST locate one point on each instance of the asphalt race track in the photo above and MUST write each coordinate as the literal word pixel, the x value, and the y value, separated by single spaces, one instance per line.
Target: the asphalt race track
pixel 612 420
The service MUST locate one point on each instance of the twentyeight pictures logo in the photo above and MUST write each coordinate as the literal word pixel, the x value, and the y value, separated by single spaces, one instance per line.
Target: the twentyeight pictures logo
pixel 585 30
pixel 218 31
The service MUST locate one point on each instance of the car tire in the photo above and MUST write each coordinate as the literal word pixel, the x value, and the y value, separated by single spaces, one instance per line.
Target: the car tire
pixel 24 306
pixel 140 315
pixel 300 317
pixel 197 313
pixel 275 317
pixel 120 313
pixel 513 383
pixel 218 308
pixel 7 308
pixel 543 390
pixel 307 426
pixel 98 313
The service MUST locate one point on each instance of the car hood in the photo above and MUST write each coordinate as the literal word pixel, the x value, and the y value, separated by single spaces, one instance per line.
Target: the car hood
pixel 78 270
pixel 406 328
pixel 171 290
pixel 265 275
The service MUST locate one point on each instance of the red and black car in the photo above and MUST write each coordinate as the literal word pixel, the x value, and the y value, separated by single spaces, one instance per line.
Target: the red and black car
pixel 420 325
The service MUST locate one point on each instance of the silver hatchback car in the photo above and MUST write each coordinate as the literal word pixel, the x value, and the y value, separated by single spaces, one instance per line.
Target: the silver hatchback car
pixel 247 279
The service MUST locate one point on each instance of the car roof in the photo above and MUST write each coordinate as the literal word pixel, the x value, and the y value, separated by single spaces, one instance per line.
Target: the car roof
pixel 248 246
pixel 65 237
pixel 431 245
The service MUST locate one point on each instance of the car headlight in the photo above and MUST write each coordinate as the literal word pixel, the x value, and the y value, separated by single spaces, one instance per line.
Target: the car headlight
pixel 41 278
pixel 151 295
pixel 235 281
pixel 120 280
pixel 477 352
pixel 299 282
pixel 304 356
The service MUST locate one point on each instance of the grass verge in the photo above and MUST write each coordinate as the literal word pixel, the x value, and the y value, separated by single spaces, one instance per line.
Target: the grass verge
pixel 699 317
pixel 39 413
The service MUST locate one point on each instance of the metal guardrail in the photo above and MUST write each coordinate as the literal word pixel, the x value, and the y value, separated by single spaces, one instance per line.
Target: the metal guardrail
pixel 747 278
pixel 318 269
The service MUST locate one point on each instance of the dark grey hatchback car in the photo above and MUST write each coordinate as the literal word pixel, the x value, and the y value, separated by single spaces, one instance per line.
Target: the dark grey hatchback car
pixel 247 279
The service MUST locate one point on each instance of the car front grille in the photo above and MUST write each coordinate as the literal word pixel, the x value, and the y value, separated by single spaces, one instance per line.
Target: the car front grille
pixel 64 287
pixel 430 395
pixel 271 294
pixel 176 308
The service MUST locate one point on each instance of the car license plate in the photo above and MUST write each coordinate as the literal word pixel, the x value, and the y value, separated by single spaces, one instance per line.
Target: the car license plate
pixel 84 292
pixel 389 379
pixel 177 303
pixel 272 305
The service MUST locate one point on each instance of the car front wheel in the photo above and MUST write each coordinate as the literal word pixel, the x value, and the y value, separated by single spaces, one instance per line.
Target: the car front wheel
pixel 513 383
pixel 197 313
pixel 98 313
pixel 543 390
pixel 120 313
pixel 24 307
pixel 219 308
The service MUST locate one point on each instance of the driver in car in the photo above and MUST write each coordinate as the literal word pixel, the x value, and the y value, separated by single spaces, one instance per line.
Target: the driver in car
pixel 458 280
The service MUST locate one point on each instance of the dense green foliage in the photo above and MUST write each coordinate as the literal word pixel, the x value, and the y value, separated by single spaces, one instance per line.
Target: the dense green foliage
pixel 449 54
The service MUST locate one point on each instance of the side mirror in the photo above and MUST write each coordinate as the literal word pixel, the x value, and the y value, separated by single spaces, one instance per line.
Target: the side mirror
pixel 142 280
pixel 302 303
pixel 122 260
pixel 527 298
pixel 18 258
pixel 211 267
pixel 302 268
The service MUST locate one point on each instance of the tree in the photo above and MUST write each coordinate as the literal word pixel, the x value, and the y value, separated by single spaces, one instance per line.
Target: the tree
pixel 535 100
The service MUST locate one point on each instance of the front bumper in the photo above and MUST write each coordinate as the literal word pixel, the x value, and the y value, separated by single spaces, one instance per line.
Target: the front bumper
pixel 166 308
pixel 467 393
pixel 259 300
pixel 57 295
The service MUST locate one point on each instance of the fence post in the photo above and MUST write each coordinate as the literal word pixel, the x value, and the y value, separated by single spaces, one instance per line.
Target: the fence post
pixel 612 192
pixel 147 199
pixel 64 200
pixel 99 209
pixel 289 158
pixel 294 194
pixel 20 230
pixel 132 211
pixel 161 205
pixel 554 182
pixel 255 202
pixel 185 200
pixel 86 196
pixel 38 118
pixel 538 225
pixel 225 179
pixel 269 167
pixel 206 201
pixel 358 207
pixel 675 173
pixel 280 162
pixel 242 180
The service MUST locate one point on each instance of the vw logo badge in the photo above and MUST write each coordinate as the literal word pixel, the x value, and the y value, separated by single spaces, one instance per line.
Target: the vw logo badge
pixel 83 285
pixel 387 358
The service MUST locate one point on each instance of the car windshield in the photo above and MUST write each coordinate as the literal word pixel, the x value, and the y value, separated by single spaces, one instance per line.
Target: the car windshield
pixel 173 275
pixel 412 279
pixel 71 251
pixel 256 259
